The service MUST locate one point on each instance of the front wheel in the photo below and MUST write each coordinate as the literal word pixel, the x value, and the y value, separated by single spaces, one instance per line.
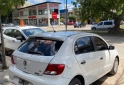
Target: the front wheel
pixel 75 81
pixel 115 67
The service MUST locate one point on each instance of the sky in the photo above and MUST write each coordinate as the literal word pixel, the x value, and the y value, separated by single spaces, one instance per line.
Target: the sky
pixel 62 6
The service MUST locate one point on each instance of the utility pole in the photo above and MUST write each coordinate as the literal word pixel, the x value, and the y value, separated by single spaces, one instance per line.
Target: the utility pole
pixel 66 18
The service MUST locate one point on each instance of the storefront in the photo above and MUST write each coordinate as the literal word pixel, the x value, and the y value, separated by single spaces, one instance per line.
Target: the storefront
pixel 39 14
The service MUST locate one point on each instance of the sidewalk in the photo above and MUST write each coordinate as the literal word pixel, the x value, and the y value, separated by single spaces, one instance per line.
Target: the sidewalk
pixel 4 77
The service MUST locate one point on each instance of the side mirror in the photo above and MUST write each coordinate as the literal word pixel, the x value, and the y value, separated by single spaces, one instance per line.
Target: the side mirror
pixel 19 38
pixel 111 47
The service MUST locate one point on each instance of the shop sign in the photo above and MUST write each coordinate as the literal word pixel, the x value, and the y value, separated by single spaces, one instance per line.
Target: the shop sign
pixel 54 15
pixel 32 17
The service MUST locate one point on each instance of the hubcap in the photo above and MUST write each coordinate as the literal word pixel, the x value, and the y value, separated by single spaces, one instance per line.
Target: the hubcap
pixel 116 65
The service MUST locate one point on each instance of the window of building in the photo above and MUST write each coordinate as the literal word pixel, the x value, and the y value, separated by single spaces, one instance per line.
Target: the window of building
pixel 43 22
pixel 32 12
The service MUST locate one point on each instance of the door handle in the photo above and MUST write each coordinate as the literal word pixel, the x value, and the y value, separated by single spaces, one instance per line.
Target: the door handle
pixel 83 62
pixel 101 58
pixel 13 40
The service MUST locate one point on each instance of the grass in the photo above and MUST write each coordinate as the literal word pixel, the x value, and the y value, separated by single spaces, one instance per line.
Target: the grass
pixel 122 26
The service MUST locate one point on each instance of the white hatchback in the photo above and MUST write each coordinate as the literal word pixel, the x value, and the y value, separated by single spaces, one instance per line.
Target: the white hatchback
pixel 63 58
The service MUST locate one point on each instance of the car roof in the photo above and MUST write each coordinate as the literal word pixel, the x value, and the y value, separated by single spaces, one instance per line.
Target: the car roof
pixel 61 35
pixel 21 27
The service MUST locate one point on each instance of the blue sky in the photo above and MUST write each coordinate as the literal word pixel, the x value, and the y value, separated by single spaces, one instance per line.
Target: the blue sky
pixel 70 6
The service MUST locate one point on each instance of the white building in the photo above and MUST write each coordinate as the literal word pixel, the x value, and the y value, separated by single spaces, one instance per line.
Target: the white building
pixel 39 14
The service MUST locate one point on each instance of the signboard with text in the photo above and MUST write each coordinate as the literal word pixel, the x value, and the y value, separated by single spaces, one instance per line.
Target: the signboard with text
pixel 54 15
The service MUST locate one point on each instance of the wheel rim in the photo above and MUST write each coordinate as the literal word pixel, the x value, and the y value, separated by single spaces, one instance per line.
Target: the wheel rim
pixel 116 66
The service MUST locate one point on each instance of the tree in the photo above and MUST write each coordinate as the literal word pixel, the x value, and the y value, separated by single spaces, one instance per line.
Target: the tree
pixel 72 18
pixel 5 7
pixel 112 9
pixel 75 9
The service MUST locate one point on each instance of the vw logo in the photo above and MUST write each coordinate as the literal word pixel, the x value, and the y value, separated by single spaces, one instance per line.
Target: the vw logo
pixel 24 63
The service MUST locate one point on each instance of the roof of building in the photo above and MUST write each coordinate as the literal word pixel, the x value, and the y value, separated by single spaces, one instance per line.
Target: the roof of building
pixel 39 4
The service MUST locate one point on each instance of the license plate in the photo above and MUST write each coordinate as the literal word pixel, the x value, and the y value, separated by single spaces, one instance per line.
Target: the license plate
pixel 23 82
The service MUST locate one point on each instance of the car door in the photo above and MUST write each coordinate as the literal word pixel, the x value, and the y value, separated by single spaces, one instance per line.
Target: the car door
pixel 10 38
pixel 103 54
pixel 85 55
pixel 16 43
pixel 100 26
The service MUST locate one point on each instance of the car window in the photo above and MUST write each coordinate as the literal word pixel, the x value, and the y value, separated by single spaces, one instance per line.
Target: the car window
pixel 17 33
pixel 33 31
pixel 100 44
pixel 40 46
pixel 100 23
pixel 9 32
pixel 107 23
pixel 83 45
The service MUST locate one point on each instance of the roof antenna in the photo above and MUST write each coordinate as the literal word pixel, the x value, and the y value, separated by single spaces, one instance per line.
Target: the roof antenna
pixel 53 28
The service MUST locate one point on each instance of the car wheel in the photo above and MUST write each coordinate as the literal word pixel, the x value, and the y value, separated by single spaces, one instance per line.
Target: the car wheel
pixel 115 67
pixel 93 28
pixel 109 28
pixel 75 81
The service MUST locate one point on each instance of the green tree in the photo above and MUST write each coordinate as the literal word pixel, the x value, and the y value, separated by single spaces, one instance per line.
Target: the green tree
pixel 5 7
pixel 72 18
pixel 111 9
pixel 75 9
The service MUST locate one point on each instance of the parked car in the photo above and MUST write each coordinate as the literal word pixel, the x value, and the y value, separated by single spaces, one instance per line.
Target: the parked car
pixel 14 36
pixel 71 23
pixel 104 25
pixel 79 25
pixel 61 23
pixel 63 58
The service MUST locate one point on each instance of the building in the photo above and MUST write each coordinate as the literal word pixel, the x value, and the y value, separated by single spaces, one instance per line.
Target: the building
pixel 39 14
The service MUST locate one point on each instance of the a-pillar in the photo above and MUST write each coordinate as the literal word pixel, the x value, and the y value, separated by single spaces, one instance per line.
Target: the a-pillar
pixel 48 14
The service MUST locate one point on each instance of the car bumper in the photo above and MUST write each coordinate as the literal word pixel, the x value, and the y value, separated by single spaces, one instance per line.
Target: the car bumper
pixel 16 74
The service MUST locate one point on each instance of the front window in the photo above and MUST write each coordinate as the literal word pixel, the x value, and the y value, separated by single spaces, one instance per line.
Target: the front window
pixel 100 44
pixel 40 46
pixel 33 31
pixel 101 23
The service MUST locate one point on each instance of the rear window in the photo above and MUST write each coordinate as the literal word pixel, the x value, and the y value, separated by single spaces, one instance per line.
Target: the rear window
pixel 32 31
pixel 40 46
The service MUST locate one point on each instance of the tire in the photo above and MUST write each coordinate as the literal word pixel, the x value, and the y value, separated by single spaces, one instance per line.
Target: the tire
pixel 109 28
pixel 75 81
pixel 115 67
pixel 93 28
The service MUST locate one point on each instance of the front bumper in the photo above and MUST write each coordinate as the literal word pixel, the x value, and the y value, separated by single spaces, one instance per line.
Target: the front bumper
pixel 16 74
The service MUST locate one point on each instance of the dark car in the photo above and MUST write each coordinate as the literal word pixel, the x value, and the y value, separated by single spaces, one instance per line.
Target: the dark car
pixel 79 25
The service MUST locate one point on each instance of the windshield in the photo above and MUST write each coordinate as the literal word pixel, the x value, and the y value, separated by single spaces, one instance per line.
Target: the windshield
pixel 40 46
pixel 32 31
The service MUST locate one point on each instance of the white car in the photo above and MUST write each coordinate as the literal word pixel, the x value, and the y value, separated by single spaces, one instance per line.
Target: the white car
pixel 14 36
pixel 61 23
pixel 104 25
pixel 62 58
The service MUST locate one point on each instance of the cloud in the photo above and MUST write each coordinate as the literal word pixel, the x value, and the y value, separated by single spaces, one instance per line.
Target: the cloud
pixel 69 6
